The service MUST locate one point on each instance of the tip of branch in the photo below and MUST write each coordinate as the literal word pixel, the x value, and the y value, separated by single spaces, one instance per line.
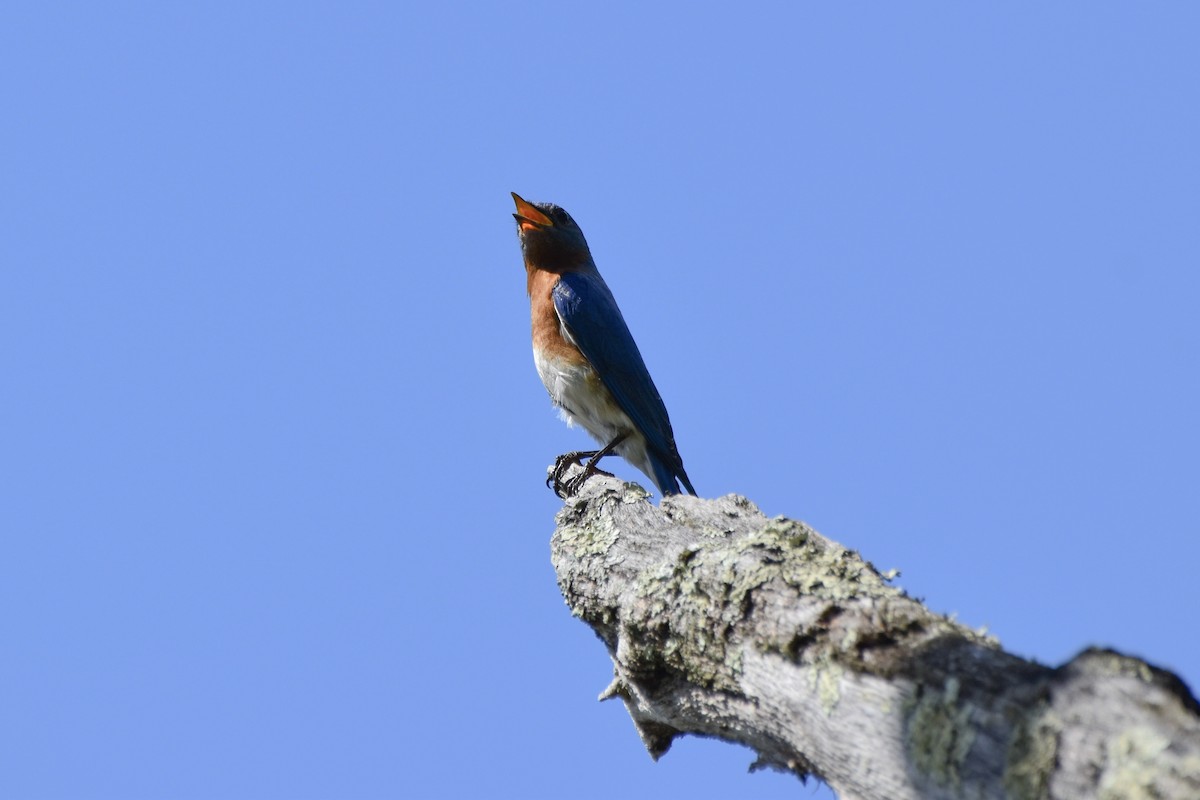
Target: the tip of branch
pixel 656 736
pixel 614 689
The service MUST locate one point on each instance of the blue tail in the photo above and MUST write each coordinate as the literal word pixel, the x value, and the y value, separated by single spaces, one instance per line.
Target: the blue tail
pixel 665 477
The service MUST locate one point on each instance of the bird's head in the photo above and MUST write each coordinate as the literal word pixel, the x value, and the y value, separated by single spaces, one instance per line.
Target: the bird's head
pixel 550 239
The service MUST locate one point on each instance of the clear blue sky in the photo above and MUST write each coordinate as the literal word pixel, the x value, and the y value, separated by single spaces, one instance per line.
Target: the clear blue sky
pixel 273 443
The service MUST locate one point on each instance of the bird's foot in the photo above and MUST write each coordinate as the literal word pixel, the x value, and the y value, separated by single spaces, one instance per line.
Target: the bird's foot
pixel 564 463
pixel 571 486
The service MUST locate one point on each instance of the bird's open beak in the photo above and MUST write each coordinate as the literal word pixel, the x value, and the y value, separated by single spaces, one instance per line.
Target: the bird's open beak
pixel 528 217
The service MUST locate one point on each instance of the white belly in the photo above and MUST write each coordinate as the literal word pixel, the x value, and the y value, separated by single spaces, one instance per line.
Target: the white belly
pixel 582 399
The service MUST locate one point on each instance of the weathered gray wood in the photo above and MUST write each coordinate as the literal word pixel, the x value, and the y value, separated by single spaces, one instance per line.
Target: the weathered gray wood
pixel 722 622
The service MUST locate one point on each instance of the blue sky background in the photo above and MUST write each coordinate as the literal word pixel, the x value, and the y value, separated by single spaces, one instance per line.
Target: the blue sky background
pixel 272 449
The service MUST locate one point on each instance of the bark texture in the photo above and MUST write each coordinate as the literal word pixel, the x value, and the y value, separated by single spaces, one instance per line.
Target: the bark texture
pixel 722 622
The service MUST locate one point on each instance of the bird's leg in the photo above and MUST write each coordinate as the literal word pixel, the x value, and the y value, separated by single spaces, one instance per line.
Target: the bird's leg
pixel 570 487
pixel 565 462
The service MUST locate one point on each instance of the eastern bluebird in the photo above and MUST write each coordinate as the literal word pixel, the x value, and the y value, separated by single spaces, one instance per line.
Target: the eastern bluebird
pixel 587 358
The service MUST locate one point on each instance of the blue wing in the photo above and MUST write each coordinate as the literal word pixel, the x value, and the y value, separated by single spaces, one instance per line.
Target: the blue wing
pixel 590 314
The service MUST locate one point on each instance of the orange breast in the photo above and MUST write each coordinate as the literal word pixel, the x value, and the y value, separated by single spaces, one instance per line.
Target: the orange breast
pixel 547 330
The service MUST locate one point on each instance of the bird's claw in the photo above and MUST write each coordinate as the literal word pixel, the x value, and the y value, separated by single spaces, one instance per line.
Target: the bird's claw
pixel 571 486
pixel 561 465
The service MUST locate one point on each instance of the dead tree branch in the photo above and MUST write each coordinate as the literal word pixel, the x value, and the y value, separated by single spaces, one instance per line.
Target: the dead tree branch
pixel 722 622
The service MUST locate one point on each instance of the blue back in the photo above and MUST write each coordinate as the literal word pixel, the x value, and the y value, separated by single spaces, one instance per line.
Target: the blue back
pixel 591 316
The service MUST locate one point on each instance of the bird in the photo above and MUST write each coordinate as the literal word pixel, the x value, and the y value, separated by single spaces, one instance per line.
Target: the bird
pixel 587 358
